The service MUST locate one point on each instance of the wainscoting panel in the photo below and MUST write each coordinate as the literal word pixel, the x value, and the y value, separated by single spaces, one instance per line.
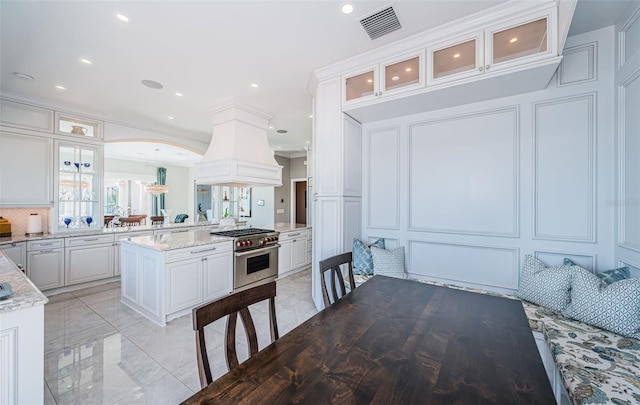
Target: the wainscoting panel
pixel 352 208
pixel 389 243
pixel 557 259
pixel 384 178
pixel 352 163
pixel 488 266
pixel 464 174
pixel 629 204
pixel 630 38
pixel 634 268
pixel 579 64
pixel 564 169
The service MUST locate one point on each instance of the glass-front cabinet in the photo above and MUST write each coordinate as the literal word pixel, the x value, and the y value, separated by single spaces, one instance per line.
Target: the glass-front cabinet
pixel 361 86
pixel 78 187
pixel 215 202
pixel 455 59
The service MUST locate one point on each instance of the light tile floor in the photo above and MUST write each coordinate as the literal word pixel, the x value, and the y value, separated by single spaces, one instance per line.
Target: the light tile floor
pixel 98 351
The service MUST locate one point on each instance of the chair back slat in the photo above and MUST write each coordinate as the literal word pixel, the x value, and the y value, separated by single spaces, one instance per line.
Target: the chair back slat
pixel 231 305
pixel 332 265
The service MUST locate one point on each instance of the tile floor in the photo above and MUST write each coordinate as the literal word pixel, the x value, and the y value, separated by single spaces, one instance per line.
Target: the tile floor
pixel 98 351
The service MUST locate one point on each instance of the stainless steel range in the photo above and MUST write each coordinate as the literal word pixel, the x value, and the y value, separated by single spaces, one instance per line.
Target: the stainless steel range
pixel 255 255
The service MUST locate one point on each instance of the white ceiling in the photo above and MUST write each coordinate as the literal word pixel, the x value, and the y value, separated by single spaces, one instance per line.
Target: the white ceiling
pixel 207 50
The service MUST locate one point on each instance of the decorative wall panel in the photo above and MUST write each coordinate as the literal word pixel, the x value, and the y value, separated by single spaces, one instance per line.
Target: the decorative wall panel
pixel 579 64
pixel 476 264
pixel 384 178
pixel 629 129
pixel 8 366
pixel 564 169
pixel 557 259
pixel 630 38
pixel 464 174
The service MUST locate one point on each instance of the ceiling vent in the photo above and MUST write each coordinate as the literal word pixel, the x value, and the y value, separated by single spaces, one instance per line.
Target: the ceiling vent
pixel 381 23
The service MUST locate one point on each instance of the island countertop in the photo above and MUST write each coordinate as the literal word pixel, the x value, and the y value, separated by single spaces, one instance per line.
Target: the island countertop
pixel 24 293
pixel 180 240
pixel 290 226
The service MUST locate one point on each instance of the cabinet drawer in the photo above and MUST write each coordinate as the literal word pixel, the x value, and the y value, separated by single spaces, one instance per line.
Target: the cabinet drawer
pixel 127 235
pixel 89 240
pixel 198 251
pixel 294 235
pixel 45 244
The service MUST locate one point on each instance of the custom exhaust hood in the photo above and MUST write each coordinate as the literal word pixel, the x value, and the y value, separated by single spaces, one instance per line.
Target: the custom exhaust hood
pixel 239 153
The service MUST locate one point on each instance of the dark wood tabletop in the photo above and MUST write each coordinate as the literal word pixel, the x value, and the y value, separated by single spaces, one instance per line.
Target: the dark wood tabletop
pixel 396 341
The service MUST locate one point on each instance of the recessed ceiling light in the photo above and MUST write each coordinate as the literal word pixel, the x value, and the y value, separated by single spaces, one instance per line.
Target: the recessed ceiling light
pixel 347 8
pixel 408 69
pixel 254 85
pixel 514 39
pixel 170 117
pixel 310 115
pixel 282 131
pixel 122 17
pixel 369 80
pixel 23 76
pixel 395 78
pixel 270 126
pixel 85 61
pixel 178 94
pixel 152 84
pixel 457 55
pixel 60 87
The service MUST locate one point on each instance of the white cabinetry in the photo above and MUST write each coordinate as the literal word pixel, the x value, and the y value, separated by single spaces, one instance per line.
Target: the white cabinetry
pixel 17 253
pixel 164 285
pixel 88 258
pixel 293 253
pixel 25 170
pixel 45 263
pixel 24 116
pixel 116 247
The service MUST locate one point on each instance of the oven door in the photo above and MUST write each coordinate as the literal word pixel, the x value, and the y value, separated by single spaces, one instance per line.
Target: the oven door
pixel 255 265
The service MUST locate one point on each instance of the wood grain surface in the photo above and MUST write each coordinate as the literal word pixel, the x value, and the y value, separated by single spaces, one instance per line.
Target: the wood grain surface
pixel 396 342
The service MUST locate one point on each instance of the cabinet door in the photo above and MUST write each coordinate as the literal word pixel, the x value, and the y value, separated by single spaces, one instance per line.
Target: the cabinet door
pixel 17 253
pixel 184 284
pixel 299 252
pixel 455 59
pixel 25 170
pixel 402 74
pixel 285 257
pixel 88 263
pixel 129 280
pixel 522 40
pixel 360 86
pixel 46 268
pixel 218 275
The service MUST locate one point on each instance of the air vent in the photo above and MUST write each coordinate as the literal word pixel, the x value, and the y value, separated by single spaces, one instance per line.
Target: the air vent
pixel 381 23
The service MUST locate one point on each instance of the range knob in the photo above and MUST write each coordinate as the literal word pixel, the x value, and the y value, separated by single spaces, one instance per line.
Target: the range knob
pixel 250 243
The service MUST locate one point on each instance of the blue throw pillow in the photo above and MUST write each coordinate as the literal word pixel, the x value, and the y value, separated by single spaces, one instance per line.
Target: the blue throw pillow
pixel 362 259
pixel 546 286
pixel 614 307
pixel 609 276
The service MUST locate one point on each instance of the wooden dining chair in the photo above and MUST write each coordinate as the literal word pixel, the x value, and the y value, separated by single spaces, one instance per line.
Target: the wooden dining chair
pixel 231 305
pixel 130 221
pixel 156 220
pixel 332 264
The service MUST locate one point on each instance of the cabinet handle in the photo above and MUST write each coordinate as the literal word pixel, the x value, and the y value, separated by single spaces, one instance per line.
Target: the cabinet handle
pixel 487 67
pixel 90 240
pixel 294 234
pixel 376 94
pixel 380 93
pixel 13 244
pixel 184 230
pixel 46 251
pixel 46 244
pixel 480 69
pixel 203 250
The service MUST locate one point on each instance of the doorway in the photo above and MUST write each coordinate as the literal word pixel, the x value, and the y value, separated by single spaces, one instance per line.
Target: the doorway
pixel 299 201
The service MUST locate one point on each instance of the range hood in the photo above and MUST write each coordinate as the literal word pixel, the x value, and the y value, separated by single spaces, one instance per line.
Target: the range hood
pixel 239 153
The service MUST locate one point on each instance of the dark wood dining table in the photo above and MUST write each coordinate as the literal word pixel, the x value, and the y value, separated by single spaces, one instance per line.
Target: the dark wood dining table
pixel 394 341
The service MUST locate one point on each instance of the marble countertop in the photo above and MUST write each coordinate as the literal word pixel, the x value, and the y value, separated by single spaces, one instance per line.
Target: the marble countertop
pixel 171 241
pixel 289 226
pixel 25 294
pixel 101 231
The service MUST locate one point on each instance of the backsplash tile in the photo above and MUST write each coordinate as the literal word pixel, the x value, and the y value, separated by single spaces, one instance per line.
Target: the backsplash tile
pixel 19 218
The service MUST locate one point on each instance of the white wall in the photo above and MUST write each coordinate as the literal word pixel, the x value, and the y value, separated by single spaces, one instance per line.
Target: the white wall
pixel 627 86
pixel 262 216
pixel 468 191
pixel 282 196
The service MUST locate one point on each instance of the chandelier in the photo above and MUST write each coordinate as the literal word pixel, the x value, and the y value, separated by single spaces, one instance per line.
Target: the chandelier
pixel 157 189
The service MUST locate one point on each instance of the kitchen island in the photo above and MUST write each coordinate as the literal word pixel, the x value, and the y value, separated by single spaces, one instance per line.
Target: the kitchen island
pixel 165 276
pixel 21 338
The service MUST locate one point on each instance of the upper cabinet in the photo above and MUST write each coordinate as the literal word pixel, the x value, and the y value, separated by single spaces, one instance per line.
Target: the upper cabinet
pixel 397 75
pixel 515 46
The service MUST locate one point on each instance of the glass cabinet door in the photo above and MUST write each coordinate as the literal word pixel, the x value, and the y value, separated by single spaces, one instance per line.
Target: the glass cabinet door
pixel 403 74
pixel 360 86
pixel 79 190
pixel 455 59
pixel 528 39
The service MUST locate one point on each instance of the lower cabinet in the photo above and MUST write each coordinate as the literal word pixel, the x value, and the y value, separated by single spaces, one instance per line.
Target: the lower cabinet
pixel 45 263
pixel 88 258
pixel 116 247
pixel 294 251
pixel 17 253
pixel 163 285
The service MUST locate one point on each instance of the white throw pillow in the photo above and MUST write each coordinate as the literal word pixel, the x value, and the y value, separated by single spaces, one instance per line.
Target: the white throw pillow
pixel 388 262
